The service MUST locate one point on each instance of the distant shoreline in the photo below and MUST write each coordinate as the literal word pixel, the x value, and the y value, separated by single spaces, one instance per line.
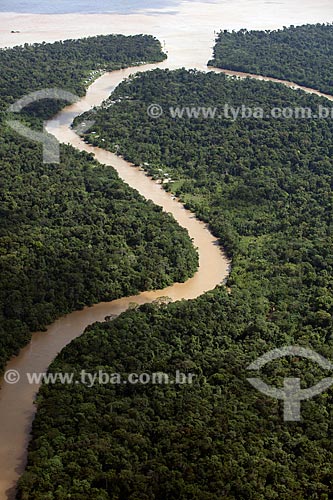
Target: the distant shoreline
pixel 191 24
pixel 40 7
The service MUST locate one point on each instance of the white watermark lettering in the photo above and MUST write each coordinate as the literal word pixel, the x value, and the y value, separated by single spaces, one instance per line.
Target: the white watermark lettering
pixel 101 377
pixel 243 112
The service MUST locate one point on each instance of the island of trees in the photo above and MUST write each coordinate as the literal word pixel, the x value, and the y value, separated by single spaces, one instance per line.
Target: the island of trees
pixel 302 54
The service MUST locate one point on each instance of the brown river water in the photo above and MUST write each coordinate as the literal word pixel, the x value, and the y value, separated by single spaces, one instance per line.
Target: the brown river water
pixel 189 38
pixel 17 407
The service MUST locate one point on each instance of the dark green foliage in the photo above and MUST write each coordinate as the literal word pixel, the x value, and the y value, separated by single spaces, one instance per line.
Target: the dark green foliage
pixel 302 54
pixel 69 65
pixel 216 439
pixel 74 234
pixel 265 188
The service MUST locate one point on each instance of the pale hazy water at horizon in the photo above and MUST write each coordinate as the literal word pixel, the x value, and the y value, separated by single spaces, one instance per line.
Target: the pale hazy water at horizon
pixel 85 6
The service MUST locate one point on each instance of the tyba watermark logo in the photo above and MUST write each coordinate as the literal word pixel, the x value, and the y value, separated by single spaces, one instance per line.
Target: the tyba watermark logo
pixel 291 394
pixel 51 149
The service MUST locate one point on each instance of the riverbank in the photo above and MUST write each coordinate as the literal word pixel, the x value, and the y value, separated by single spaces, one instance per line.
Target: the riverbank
pixel 286 83
pixel 189 36
pixel 17 407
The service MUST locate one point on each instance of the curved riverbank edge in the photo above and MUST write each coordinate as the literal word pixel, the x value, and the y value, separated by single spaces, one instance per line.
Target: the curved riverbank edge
pixel 17 407
pixel 286 83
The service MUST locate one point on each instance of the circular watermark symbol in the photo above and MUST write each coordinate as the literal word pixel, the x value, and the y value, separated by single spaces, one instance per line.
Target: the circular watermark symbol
pixel 291 394
pixel 155 111
pixel 12 377
pixel 51 148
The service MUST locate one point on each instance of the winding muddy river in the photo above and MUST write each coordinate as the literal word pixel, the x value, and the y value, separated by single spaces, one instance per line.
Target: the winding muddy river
pixel 17 407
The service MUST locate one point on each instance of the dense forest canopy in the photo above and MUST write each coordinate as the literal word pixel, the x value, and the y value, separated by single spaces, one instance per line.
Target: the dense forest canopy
pixel 265 188
pixel 303 54
pixel 69 65
pixel 73 234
